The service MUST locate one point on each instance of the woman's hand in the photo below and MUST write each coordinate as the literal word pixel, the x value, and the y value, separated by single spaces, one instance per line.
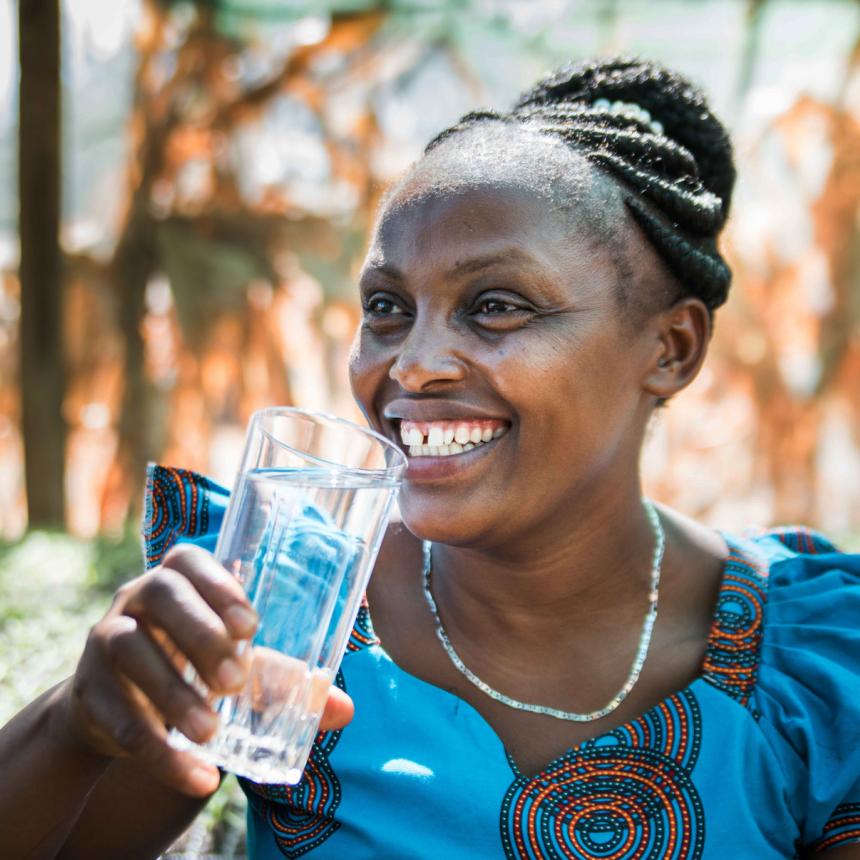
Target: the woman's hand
pixel 128 685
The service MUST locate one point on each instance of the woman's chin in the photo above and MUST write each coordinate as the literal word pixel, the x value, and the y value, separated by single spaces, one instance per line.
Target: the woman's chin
pixel 443 523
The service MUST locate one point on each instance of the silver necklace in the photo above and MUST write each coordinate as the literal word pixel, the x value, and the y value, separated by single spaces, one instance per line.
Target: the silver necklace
pixel 635 669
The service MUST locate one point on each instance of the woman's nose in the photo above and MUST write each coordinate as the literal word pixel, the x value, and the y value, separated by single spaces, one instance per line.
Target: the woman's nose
pixel 426 358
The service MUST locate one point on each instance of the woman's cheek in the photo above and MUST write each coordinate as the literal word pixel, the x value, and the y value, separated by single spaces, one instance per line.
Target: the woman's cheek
pixel 368 370
pixel 357 367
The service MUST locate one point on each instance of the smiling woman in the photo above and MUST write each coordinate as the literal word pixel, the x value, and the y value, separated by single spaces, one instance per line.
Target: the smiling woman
pixel 547 665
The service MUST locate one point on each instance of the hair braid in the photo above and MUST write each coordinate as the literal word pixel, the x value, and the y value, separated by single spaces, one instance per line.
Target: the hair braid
pixel 661 142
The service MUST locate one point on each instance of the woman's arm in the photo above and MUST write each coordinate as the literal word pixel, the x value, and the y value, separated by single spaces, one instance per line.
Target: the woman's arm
pixel 144 815
pixel 126 688
pixel 86 770
pixel 46 779
pixel 51 787
pixel 131 815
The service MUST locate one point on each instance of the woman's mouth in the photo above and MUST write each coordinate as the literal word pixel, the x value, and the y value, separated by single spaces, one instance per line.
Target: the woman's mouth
pixel 448 438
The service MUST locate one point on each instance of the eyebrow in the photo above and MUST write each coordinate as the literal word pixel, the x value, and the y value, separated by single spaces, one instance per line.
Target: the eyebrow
pixel 467 266
pixel 382 269
pixel 506 255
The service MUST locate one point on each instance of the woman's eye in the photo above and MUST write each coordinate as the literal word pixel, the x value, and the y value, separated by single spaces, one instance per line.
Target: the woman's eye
pixel 381 306
pixel 496 306
pixel 500 313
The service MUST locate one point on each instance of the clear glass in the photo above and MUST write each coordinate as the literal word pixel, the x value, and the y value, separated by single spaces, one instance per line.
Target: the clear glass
pixel 301 532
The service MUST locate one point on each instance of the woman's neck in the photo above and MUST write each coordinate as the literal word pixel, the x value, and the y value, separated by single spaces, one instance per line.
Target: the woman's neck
pixel 593 566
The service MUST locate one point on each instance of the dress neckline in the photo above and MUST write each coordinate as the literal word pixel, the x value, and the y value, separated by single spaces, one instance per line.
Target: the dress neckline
pixel 730 663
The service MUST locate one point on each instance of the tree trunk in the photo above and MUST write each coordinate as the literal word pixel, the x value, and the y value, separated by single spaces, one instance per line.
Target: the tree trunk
pixel 42 372
pixel 749 53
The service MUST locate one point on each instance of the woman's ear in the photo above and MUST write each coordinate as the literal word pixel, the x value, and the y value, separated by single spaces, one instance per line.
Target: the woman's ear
pixel 683 333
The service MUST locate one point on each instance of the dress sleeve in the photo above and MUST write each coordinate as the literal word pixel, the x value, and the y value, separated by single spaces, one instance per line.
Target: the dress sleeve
pixel 180 506
pixel 809 685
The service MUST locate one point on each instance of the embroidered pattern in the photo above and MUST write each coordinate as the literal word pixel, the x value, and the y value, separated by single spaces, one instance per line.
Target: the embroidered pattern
pixel 626 795
pixel 362 635
pixel 842 828
pixel 802 539
pixel 301 816
pixel 177 506
pixel 731 662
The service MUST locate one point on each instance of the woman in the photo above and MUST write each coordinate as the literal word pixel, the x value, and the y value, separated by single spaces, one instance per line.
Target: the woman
pixel 535 287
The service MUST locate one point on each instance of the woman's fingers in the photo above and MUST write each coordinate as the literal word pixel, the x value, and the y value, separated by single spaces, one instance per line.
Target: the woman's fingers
pixel 167 600
pixel 219 588
pixel 129 726
pixel 128 688
pixel 136 656
pixel 277 681
pixel 339 710
pixel 144 736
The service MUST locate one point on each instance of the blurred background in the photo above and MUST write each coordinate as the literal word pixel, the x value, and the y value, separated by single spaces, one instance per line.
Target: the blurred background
pixel 180 237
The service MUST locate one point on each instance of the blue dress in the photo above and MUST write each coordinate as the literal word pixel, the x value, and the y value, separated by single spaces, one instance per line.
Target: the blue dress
pixel 759 757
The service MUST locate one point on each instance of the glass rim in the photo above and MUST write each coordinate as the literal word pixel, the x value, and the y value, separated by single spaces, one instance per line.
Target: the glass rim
pixel 387 471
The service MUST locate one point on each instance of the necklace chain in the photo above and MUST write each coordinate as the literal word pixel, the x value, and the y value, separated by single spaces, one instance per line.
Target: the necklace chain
pixel 638 661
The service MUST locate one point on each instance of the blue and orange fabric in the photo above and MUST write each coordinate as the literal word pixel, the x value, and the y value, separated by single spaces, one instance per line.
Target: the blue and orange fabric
pixel 759 757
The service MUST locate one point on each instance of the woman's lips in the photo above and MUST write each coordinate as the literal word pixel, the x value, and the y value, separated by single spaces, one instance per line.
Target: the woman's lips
pixel 434 468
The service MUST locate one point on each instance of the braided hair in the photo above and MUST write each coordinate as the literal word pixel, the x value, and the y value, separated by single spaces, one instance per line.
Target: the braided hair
pixel 652 131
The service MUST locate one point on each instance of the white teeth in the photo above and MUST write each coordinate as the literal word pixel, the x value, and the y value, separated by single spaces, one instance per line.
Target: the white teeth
pixel 411 437
pixel 445 439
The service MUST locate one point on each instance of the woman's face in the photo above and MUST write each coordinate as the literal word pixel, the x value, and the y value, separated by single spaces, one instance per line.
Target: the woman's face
pixel 488 318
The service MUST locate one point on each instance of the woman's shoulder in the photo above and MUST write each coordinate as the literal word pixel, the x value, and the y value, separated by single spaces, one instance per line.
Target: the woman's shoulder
pixel 811 630
pixel 807 696
pixel 811 599
pixel 809 670
pixel 809 579
pixel 785 640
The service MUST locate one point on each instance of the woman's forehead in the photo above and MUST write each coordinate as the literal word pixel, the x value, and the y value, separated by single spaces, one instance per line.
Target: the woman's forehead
pixel 442 240
pixel 442 220
pixel 513 180
pixel 499 153
pixel 442 228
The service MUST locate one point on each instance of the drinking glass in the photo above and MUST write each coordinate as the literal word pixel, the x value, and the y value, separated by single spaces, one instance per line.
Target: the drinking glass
pixel 301 533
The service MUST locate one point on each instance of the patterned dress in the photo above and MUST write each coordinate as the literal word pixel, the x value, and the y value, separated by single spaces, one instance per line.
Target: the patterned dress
pixel 759 757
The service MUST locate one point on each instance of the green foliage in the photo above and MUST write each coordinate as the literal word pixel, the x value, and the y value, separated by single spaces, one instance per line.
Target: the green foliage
pixel 46 608
pixel 53 588
pixel 115 560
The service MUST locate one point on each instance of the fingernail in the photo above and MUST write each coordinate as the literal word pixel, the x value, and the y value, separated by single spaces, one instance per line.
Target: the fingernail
pixel 241 619
pixel 205 778
pixel 230 673
pixel 202 722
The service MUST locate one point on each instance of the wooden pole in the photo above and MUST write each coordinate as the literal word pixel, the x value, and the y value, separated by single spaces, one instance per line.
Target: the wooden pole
pixel 749 52
pixel 42 372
